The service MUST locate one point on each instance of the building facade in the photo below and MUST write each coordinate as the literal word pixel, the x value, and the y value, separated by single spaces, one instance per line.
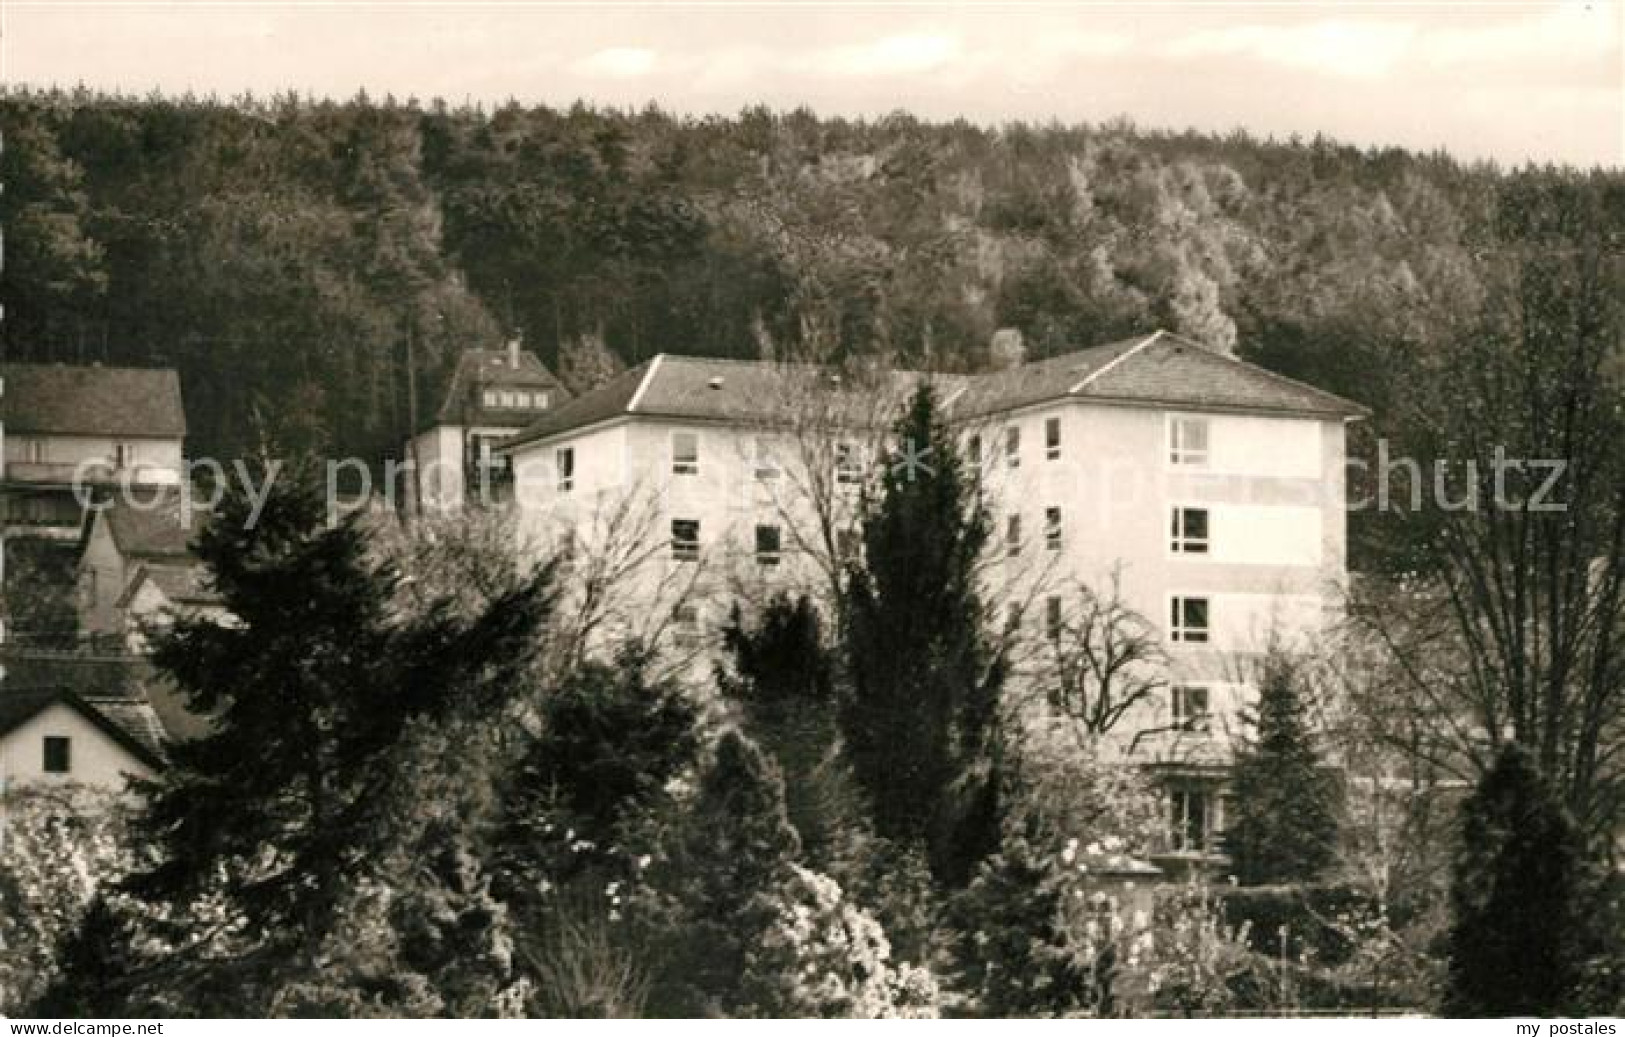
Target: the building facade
pixel 1204 494
pixel 56 736
pixel 69 435
pixel 492 396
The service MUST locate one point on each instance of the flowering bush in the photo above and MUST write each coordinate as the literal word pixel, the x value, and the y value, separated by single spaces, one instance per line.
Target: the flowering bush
pixel 821 956
pixel 62 847
pixel 1194 956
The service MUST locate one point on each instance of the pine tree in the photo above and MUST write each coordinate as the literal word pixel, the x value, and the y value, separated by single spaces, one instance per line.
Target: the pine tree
pixel 735 849
pixel 1284 823
pixel 292 805
pixel 921 719
pixel 1514 942
pixel 783 678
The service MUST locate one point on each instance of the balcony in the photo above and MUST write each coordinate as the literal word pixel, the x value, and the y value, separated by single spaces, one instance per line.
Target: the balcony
pixel 88 473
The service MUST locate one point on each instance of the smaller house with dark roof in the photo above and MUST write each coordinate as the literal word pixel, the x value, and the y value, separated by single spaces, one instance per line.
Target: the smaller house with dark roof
pixel 51 735
pixel 136 565
pixel 492 395
pixel 90 425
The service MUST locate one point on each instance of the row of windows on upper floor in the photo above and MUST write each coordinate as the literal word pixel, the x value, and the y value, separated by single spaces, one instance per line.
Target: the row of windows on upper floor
pixel 515 399
pixel 1190 618
pixel 1187 445
pixel 34 450
pixel 1188 535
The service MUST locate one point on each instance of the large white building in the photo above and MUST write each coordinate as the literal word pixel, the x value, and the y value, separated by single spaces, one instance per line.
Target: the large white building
pixel 1207 491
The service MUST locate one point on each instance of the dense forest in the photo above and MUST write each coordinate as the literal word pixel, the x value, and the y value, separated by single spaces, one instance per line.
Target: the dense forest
pixel 296 259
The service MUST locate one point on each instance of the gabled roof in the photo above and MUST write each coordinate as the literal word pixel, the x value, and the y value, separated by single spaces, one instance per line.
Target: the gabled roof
pixel 152 530
pixel 179 584
pixel 1158 369
pixel 481 369
pixel 1168 369
pixel 697 388
pixel 56 399
pixel 609 400
pixel 126 719
pixel 1038 380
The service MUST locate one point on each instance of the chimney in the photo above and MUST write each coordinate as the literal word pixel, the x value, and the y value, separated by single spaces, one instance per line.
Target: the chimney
pixel 513 353
pixel 1007 349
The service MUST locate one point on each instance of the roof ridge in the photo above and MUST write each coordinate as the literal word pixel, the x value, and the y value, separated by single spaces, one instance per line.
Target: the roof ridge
pixel 1114 361
pixel 643 384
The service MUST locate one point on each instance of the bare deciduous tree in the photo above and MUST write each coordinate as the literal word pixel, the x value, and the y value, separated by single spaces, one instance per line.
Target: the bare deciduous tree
pixel 1510 625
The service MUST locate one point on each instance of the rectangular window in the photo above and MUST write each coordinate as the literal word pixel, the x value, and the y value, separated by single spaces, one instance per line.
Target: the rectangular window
pixel 1012 535
pixel 1190 708
pixel 685 453
pixel 1187 440
pixel 1189 621
pixel 685 621
pixel 510 400
pixel 769 545
pixel 565 460
pixel 539 400
pixel 36 450
pixel 973 451
pixel 765 465
pixel 685 539
pixel 1052 616
pixel 847 470
pixel 124 455
pixel 1192 827
pixel 1052 528
pixel 58 754
pixel 1052 439
pixel 491 398
pixel 1012 446
pixel 1190 535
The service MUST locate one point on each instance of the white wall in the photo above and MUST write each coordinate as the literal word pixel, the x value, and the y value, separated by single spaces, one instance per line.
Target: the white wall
pixel 156 461
pixel 95 758
pixel 438 456
pixel 1273 488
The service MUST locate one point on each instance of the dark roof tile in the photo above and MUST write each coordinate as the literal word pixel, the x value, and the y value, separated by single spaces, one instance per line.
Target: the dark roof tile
pixel 127 719
pixel 151 532
pixel 57 399
pixel 1159 368
pixel 481 369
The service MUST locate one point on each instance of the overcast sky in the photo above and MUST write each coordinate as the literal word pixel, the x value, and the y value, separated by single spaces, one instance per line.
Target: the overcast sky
pixel 1513 82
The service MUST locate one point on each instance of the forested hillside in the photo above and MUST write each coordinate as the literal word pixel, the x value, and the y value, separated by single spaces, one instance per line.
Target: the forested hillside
pixel 294 259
